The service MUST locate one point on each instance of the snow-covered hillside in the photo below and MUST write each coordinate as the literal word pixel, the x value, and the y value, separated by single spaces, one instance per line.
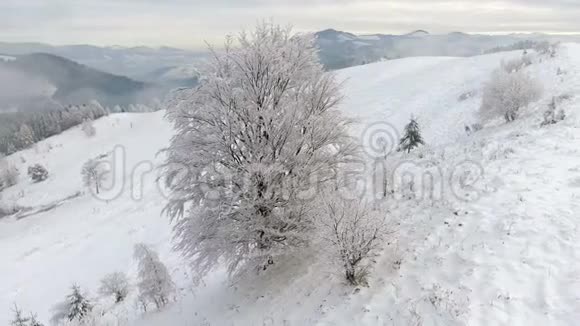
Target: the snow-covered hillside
pixel 507 256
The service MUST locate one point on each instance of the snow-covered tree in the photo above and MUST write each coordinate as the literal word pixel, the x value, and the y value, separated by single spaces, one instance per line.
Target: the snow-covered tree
pixel 94 172
pixel 506 93
pixel 115 284
pixel 353 234
pixel 551 116
pixel 412 137
pixel 25 136
pixel 155 284
pixel 88 128
pixel 261 127
pixel 75 307
pixel 34 321
pixel 19 319
pixel 8 174
pixel 37 173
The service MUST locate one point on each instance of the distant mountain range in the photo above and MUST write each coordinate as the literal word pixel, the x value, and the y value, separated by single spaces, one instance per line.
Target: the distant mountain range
pixel 341 49
pixel 71 82
pixel 135 62
pixel 337 50
pixel 40 73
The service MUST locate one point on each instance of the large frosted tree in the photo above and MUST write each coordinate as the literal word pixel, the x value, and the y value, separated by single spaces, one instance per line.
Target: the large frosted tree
pixel 260 130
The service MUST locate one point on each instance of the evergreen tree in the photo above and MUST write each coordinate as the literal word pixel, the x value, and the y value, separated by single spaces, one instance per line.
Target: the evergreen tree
pixel 79 306
pixel 412 137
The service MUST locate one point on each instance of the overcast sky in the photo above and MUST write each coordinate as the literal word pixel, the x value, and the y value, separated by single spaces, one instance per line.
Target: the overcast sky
pixel 188 23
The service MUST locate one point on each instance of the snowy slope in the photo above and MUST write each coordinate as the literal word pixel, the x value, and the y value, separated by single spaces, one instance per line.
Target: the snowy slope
pixel 509 257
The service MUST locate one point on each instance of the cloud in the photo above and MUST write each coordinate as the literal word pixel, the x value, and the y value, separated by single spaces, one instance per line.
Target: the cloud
pixel 188 23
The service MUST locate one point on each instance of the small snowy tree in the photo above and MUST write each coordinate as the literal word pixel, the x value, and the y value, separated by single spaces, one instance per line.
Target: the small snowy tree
pixel 412 137
pixel 506 93
pixel 19 319
pixel 258 131
pixel 34 321
pixel 353 234
pixel 551 116
pixel 94 173
pixel 75 308
pixel 155 284
pixel 115 284
pixel 88 128
pixel 8 174
pixel 25 136
pixel 37 173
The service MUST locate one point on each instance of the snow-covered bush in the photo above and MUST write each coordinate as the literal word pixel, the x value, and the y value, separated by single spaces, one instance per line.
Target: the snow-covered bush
pixel 473 128
pixel 506 93
pixel 155 284
pixel 516 65
pixel 116 285
pixel 262 127
pixel 412 137
pixel 74 308
pixel 476 127
pixel 37 173
pixel 466 96
pixel 94 172
pixel 353 234
pixel 551 116
pixel 88 128
pixel 547 48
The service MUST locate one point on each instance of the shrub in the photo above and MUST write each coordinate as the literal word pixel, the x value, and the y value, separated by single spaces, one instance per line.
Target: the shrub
pixel 8 175
pixel 353 234
pixel 547 48
pixel 467 95
pixel 516 65
pixel 551 116
pixel 37 173
pixel 506 93
pixel 88 128
pixel 115 284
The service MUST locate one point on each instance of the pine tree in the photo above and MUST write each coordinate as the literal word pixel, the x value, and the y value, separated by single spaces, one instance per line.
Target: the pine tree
pixel 79 306
pixel 412 137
